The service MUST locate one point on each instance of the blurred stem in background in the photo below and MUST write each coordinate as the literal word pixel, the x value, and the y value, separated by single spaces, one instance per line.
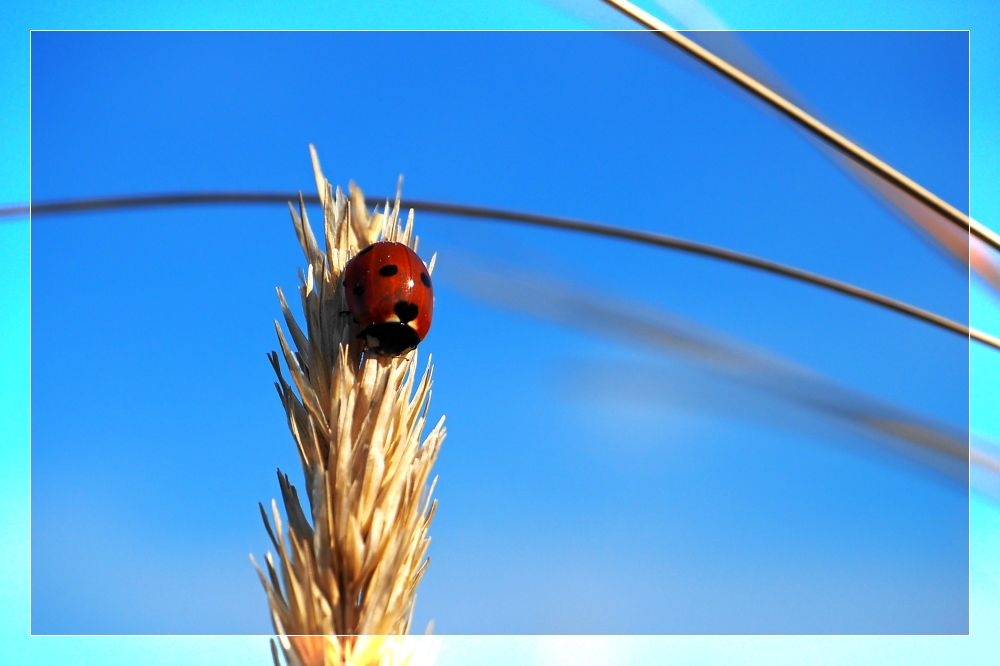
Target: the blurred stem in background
pixel 446 208
pixel 729 378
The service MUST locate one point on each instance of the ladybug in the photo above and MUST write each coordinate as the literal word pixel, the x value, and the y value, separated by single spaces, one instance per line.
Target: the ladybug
pixel 389 294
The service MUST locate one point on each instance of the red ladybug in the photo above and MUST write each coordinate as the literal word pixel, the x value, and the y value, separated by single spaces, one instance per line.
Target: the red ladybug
pixel 389 293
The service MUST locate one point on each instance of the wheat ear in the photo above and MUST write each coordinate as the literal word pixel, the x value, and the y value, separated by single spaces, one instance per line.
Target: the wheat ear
pixel 347 574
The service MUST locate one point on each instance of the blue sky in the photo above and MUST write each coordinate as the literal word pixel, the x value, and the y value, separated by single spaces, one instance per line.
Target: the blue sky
pixel 519 137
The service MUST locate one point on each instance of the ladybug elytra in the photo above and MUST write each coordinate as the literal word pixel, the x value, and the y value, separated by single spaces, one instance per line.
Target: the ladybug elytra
pixel 389 294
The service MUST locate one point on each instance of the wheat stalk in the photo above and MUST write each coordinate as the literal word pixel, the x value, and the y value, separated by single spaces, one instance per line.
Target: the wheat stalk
pixel 805 120
pixel 346 580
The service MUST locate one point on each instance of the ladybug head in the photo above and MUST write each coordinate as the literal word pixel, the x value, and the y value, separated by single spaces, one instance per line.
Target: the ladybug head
pixel 390 339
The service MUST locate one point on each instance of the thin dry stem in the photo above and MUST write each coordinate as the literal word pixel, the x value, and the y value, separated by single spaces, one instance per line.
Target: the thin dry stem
pixel 347 572
pixel 804 119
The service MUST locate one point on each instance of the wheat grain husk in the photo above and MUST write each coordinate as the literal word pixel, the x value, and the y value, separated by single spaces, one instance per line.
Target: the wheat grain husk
pixel 344 586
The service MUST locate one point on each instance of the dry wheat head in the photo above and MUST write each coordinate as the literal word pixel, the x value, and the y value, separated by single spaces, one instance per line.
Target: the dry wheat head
pixel 348 572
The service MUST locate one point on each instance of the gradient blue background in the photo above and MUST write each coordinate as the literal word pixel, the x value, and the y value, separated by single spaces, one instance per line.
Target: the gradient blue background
pixel 981 516
pixel 154 426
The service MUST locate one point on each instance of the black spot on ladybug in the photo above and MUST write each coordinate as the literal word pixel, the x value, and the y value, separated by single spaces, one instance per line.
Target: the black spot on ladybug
pixel 367 249
pixel 426 279
pixel 388 270
pixel 358 289
pixel 406 311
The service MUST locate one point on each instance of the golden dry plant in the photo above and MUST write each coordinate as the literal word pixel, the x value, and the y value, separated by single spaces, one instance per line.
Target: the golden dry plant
pixel 344 588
